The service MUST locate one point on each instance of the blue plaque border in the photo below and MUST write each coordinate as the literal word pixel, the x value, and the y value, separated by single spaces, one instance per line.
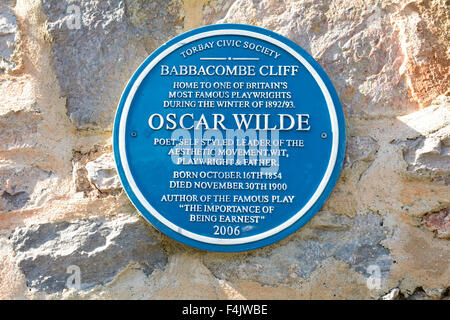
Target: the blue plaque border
pixel 270 239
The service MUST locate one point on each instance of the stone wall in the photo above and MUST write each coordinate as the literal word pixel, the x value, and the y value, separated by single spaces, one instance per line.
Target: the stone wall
pixel 63 65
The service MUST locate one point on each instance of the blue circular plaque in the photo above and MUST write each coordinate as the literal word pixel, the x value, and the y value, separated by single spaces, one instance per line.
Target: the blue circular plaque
pixel 229 137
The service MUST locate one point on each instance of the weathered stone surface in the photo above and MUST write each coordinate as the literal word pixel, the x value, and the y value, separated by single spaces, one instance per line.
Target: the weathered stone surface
pixel 357 242
pixel 155 21
pixel 80 172
pixel 424 30
pixel 19 130
pixel 8 36
pixel 12 282
pixel 17 95
pixel 102 173
pixel 89 37
pixel 99 248
pixel 418 251
pixel 360 148
pixel 61 203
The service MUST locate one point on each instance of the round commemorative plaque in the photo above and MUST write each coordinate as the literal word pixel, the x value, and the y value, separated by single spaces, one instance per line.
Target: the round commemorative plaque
pixel 229 138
